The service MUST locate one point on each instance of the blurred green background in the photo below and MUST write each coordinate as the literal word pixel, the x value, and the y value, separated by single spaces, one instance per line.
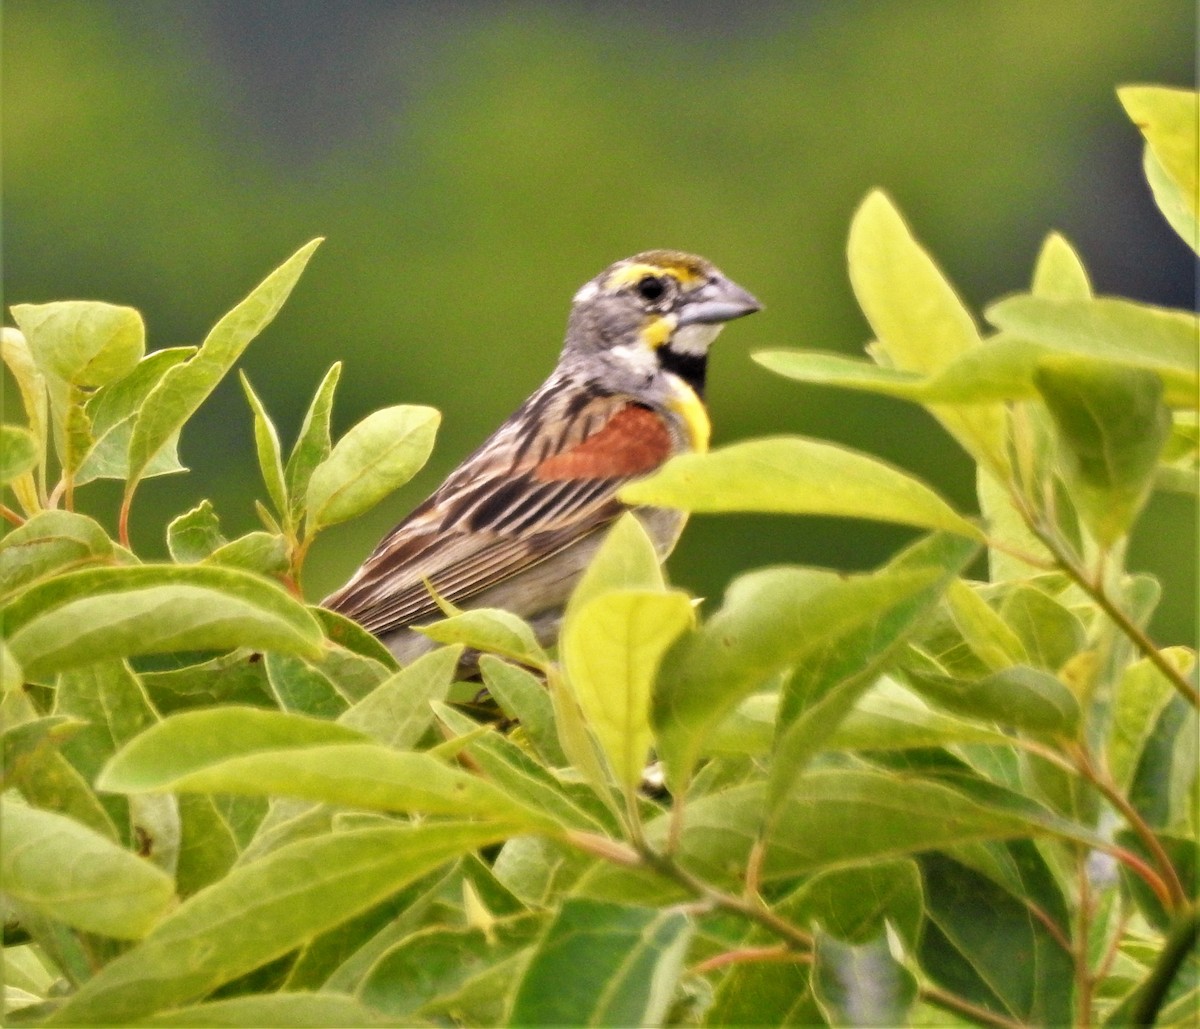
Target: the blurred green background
pixel 472 163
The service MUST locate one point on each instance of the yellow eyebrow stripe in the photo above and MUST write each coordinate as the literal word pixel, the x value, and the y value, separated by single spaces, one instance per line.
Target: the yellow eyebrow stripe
pixel 628 274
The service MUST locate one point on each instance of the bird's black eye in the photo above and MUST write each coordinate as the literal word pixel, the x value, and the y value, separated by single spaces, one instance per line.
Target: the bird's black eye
pixel 651 287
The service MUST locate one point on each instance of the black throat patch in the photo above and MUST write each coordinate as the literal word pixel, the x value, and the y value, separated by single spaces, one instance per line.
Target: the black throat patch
pixel 689 367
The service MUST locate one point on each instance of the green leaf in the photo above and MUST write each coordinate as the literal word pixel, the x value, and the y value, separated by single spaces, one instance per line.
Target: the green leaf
pixel 228 679
pixel 19 452
pixel 1049 632
pixel 503 763
pixel 297 1010
pixel 920 322
pixel 611 650
pixel 263 552
pixel 854 904
pixel 1168 119
pixel 846 817
pixel 263 910
pixel 887 717
pixel 1107 329
pixel 114 409
pixel 861 984
pixel 193 536
pixel 491 631
pixel 770 621
pixel 1059 273
pixel 14 350
pixel 379 455
pixel 300 688
pixel 827 368
pixel 266 446
pixel 982 943
pixel 626 560
pixel 35 767
pixel 1177 207
pixel 765 994
pixel 791 475
pixel 177 395
pixel 1112 425
pixel 438 961
pixel 397 712
pixel 208 844
pixel 268 753
pixel 50 542
pixel 75 875
pixel 840 667
pixel 983 630
pixel 1027 699
pixel 604 965
pixel 113 704
pixel 98 613
pixel 1140 698
pixel 82 342
pixel 524 697
pixel 312 444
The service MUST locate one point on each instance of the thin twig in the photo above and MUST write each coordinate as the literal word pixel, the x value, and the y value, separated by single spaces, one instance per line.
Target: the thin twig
pixel 9 515
pixel 752 909
pixel 781 954
pixel 1103 783
pixel 1131 629
pixel 961 1006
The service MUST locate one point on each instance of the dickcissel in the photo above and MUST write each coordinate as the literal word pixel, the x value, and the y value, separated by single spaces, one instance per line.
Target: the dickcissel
pixel 516 523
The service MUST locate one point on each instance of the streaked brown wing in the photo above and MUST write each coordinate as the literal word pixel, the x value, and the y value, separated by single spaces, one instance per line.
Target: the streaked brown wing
pixel 519 500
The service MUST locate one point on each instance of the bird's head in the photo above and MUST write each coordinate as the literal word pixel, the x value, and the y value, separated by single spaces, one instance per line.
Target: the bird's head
pixel 656 311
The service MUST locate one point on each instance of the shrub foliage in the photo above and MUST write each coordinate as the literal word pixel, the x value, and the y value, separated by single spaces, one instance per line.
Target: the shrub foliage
pixel 905 796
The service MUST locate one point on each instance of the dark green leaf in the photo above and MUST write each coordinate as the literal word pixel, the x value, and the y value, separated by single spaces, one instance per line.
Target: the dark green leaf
pixel 861 984
pixel 853 904
pixel 603 965
pixel 983 944
pixel 438 961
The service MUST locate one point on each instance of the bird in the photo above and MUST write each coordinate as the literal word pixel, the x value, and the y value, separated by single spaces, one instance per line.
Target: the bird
pixel 515 525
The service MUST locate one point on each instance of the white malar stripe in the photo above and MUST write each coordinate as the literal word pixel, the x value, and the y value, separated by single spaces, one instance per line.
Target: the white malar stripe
pixel 637 356
pixel 695 339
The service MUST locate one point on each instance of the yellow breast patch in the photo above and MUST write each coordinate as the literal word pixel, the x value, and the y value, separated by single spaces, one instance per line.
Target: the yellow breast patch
pixel 691 409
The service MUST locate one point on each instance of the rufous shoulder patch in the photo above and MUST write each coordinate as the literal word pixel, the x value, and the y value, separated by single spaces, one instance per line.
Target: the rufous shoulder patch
pixel 633 441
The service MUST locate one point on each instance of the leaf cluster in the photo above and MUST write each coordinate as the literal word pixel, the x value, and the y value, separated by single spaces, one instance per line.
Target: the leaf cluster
pixel 897 797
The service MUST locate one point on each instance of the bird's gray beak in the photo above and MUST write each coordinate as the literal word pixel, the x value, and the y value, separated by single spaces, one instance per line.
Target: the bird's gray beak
pixel 720 300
